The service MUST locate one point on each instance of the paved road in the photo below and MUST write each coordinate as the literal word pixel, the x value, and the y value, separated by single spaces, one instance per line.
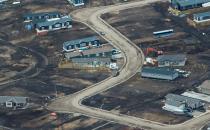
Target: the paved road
pixel 133 62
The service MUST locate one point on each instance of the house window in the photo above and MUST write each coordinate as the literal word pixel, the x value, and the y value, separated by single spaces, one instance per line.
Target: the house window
pixel 57 25
pixel 8 104
pixel 47 16
pixel 67 23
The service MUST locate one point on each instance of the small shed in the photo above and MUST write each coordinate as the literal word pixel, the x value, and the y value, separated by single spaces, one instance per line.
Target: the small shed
pixel 171 60
pixel 159 73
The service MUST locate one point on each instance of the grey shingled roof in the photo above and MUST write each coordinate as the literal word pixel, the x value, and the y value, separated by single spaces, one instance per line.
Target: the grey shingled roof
pixel 16 99
pixel 90 60
pixel 159 70
pixel 172 58
pixel 101 49
pixel 54 21
pixel 79 41
pixel 41 14
pixel 177 100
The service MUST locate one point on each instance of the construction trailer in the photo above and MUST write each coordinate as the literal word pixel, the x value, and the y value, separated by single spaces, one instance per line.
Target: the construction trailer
pixel 183 5
pixel 171 60
pixel 159 73
pixel 81 44
pixel 163 33
pixel 77 2
pixel 180 104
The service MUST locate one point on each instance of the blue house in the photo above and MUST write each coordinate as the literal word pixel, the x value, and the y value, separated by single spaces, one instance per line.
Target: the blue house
pixel 41 16
pixel 77 2
pixel 81 44
pixel 187 4
pixel 53 24
pixel 201 17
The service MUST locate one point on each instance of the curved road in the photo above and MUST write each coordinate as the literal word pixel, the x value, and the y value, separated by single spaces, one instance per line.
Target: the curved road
pixel 133 62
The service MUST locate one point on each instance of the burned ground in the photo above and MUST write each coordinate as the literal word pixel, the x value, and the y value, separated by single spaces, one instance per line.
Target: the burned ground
pixel 144 97
pixel 52 81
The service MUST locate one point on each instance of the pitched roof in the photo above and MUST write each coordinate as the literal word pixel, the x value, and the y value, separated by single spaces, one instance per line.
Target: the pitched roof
pixel 205 84
pixel 79 41
pixel 101 49
pixel 54 21
pixel 190 2
pixel 203 14
pixel 172 58
pixel 41 14
pixel 90 60
pixel 177 100
pixel 16 99
pixel 159 70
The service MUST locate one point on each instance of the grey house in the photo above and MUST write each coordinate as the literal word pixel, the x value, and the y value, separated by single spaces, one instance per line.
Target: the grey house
pixel 92 62
pixel 102 51
pixel 205 87
pixel 171 60
pixel 81 44
pixel 159 73
pixel 181 104
pixel 13 102
pixel 53 24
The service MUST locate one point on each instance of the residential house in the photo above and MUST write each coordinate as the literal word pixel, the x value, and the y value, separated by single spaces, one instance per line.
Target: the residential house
pixel 159 73
pixel 53 24
pixel 81 44
pixel 77 2
pixel 41 16
pixel 205 87
pixel 171 60
pixel 13 102
pixel 187 4
pixel 181 104
pixel 201 17
pixel 92 62
pixel 102 51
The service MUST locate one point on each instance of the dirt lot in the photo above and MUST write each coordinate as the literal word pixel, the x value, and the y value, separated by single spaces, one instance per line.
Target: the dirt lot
pixel 144 97
pixel 15 61
pixel 52 81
